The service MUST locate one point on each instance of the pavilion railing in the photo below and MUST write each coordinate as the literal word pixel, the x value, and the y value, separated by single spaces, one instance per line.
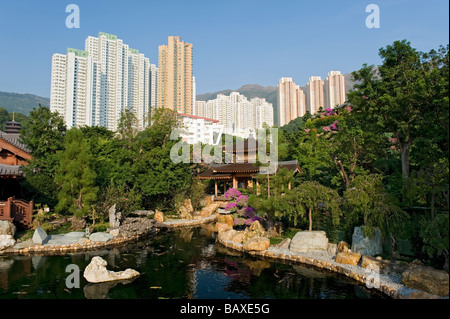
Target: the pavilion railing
pixel 18 211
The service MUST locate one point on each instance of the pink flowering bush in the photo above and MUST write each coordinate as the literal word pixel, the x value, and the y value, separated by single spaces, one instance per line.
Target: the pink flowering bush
pixel 244 215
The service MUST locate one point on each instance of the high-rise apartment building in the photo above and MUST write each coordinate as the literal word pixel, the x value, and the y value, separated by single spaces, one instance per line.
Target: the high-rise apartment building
pixel 237 114
pixel 200 108
pixel 175 87
pixel 94 87
pixel 291 101
pixel 153 86
pixel 314 94
pixel 70 82
pixel 334 89
pixel 287 105
pixel 300 101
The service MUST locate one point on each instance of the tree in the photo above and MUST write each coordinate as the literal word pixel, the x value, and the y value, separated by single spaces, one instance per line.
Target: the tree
pixel 75 176
pixel 43 134
pixel 367 203
pixel 400 93
pixel 435 237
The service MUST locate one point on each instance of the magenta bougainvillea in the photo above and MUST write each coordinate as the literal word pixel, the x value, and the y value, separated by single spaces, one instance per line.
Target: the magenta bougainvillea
pixel 243 214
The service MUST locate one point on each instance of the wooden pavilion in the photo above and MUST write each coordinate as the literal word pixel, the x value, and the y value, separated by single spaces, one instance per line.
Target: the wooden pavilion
pixel 13 155
pixel 243 171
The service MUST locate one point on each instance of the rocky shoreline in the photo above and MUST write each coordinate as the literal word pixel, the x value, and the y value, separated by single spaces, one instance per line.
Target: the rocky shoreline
pixel 131 230
pixel 390 283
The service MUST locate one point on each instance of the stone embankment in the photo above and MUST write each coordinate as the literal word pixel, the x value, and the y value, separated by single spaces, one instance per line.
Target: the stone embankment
pixel 390 278
pixel 132 229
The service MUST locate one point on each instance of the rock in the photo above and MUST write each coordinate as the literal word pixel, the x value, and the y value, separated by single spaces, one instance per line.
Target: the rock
pixel 220 227
pixel 188 204
pixel 7 228
pixel 100 237
pixel 367 245
pixel 114 218
pixel 159 216
pixel 114 232
pixel 96 272
pixel 284 244
pixel 427 279
pixel 257 243
pixel 342 247
pixel 40 236
pixel 238 237
pixel 348 258
pixel 332 248
pixel 6 241
pixel 184 213
pixel 305 241
pixel 226 219
pixel 423 295
pixel 372 263
pixel 227 235
pixel 255 230
pixel 78 224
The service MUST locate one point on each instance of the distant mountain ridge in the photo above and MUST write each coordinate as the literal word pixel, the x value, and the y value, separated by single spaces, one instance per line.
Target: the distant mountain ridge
pixel 22 103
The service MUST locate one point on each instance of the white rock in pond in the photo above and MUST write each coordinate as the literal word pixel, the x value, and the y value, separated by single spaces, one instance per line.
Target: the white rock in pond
pixel 96 272
pixel 40 236
pixel 6 241
pixel 305 241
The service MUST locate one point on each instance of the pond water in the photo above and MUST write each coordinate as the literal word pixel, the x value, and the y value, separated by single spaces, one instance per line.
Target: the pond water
pixel 175 264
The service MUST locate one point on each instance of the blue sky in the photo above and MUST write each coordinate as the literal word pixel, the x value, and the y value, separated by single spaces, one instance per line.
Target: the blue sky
pixel 235 42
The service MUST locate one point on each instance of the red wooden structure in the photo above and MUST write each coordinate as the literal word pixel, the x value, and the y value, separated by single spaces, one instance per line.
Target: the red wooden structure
pixel 17 211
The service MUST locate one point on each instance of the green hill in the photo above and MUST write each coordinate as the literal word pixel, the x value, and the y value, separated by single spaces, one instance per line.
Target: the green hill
pixel 21 103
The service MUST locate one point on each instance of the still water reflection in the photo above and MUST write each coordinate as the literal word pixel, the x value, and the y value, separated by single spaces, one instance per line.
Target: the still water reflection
pixel 177 264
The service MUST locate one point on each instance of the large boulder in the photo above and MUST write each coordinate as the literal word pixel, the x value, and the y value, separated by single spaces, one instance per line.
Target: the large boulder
pixel 226 219
pixel 255 230
pixel 220 227
pixel 96 272
pixel 348 258
pixel 7 228
pixel 305 241
pixel 427 279
pixel 40 236
pixel 227 235
pixel 6 241
pixel 367 245
pixel 100 237
pixel 257 243
pixel 372 263
pixel 238 237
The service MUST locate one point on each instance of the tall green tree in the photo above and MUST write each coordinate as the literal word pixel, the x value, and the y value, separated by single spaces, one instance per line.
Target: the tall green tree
pixel 43 134
pixel 397 96
pixel 75 176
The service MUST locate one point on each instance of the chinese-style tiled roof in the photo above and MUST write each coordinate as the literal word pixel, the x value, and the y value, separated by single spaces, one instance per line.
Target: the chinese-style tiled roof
pixel 13 139
pixel 244 146
pixel 10 170
pixel 226 171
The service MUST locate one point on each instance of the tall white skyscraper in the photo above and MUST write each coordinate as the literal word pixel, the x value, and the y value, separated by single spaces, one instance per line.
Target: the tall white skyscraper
pixel 334 89
pixel 100 83
pixel 314 94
